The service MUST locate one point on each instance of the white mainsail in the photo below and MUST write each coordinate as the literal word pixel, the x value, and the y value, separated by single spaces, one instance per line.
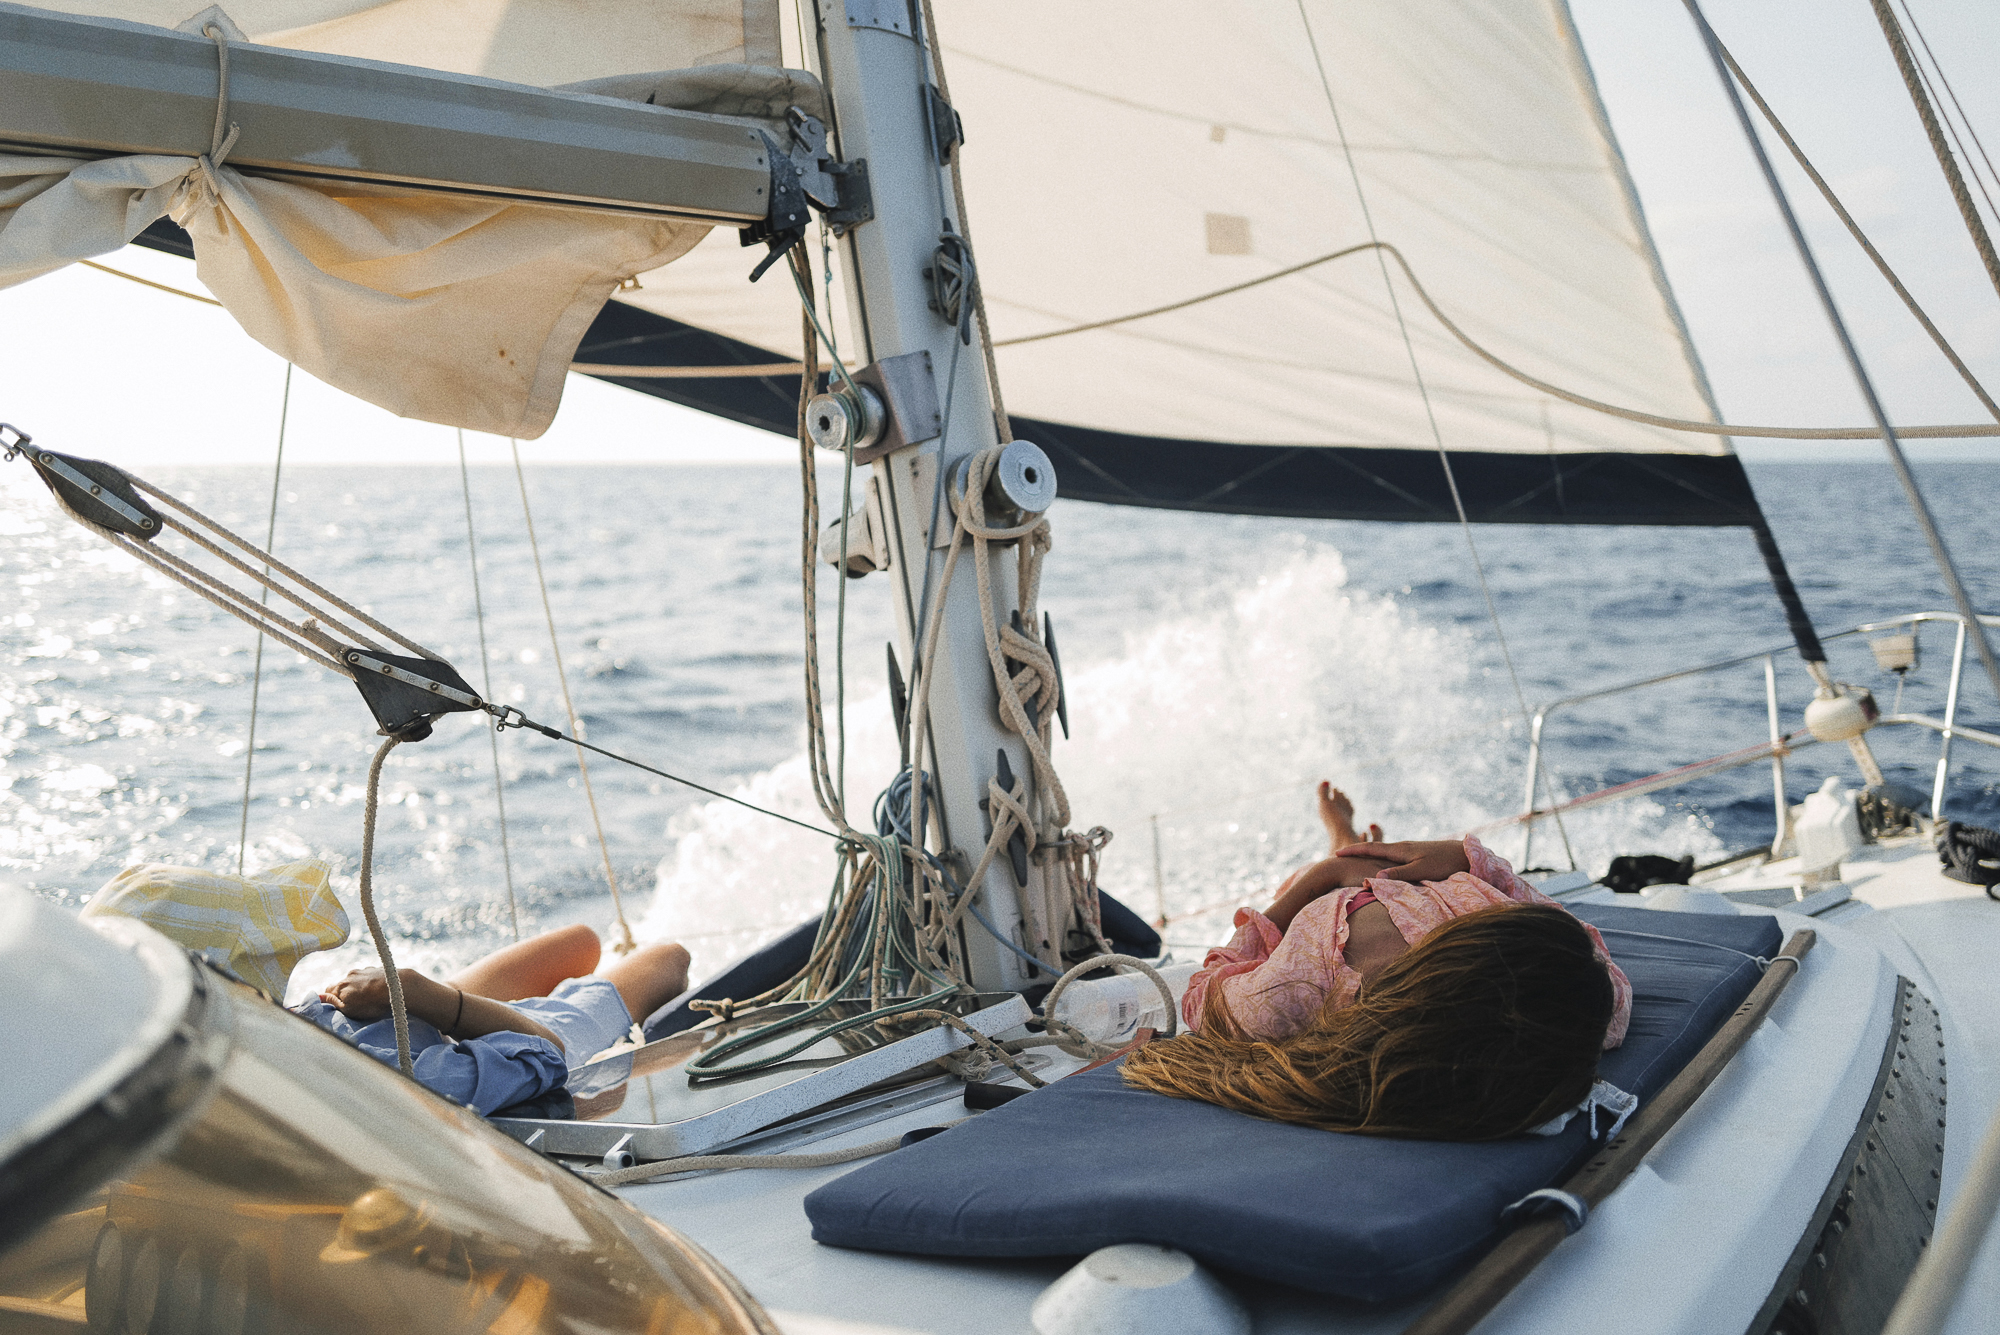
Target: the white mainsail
pixel 1122 155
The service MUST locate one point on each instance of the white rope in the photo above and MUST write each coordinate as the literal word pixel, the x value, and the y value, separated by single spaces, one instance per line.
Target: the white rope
pixel 1073 1040
pixel 331 599
pixel 486 688
pixel 263 597
pixel 1423 390
pixel 754 371
pixel 398 1012
pixel 232 601
pixel 147 282
pixel 624 944
pixel 1952 432
pixel 1024 677
pixel 224 137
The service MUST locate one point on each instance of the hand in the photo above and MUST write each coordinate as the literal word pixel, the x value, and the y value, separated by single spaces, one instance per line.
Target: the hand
pixel 1415 860
pixel 362 995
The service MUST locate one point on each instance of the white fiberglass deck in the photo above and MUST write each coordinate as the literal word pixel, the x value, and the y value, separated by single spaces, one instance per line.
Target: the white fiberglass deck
pixel 1690 1243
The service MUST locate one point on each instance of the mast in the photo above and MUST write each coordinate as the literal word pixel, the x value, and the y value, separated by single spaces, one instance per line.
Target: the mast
pixel 884 113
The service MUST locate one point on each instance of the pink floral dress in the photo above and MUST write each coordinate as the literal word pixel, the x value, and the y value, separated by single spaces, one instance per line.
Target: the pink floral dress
pixel 1277 982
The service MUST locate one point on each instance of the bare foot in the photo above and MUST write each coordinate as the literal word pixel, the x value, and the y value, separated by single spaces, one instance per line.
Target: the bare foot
pixel 1336 812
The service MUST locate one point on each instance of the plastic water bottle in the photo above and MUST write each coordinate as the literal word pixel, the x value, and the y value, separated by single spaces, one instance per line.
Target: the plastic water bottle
pixel 1827 829
pixel 1112 1010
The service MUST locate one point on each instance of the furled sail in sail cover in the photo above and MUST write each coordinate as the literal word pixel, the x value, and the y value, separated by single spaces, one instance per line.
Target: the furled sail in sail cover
pixel 1124 155
pixel 456 305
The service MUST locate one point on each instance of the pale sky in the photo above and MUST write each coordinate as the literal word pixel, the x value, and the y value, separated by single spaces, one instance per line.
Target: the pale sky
pixel 101 367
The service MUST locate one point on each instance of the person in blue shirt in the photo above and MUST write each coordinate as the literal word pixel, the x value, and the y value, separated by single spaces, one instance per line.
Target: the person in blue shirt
pixel 503 1033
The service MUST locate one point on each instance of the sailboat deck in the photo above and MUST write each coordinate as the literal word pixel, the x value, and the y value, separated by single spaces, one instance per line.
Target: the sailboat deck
pixel 1697 1232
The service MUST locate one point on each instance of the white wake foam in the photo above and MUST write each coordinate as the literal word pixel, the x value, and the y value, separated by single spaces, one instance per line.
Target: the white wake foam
pixel 1212 723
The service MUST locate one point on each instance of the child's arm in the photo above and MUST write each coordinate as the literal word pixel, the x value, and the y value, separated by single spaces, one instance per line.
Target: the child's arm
pixel 364 995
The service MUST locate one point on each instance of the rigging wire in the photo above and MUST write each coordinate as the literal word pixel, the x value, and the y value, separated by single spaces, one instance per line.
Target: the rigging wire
pixel 556 734
pixel 1854 230
pixel 486 688
pixel 624 944
pixel 1423 392
pixel 1906 65
pixel 263 600
pixel 1971 130
pixel 1888 434
pixel 1972 163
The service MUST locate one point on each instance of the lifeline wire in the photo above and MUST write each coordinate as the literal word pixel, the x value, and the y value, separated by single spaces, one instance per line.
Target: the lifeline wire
pixel 486 685
pixel 625 944
pixel 1862 380
pixel 1423 391
pixel 263 600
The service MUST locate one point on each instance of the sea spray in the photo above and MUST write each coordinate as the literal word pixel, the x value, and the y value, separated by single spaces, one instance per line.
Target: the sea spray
pixel 1214 721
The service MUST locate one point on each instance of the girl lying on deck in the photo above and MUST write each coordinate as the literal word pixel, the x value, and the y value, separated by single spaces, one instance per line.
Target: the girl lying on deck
pixel 485 1037
pixel 1416 989
pixel 504 1031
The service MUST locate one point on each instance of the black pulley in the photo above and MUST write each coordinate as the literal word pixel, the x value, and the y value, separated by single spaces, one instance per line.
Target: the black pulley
pixel 96 492
pixel 403 708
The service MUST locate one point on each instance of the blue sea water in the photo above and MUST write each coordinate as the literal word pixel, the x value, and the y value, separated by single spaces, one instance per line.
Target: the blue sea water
pixel 1217 667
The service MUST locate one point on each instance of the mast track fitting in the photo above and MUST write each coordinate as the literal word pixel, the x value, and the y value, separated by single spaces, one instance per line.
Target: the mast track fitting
pixel 947 126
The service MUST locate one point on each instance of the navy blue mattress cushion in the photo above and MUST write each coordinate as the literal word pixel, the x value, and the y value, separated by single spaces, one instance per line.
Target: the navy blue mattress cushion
pixel 1089 1162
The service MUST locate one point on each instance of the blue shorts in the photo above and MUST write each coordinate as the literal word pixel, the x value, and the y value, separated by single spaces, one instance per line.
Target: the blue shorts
pixel 586 1013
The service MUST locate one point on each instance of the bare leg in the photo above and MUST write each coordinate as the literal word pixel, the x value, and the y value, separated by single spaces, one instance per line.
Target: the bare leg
pixel 1336 812
pixel 532 968
pixel 649 978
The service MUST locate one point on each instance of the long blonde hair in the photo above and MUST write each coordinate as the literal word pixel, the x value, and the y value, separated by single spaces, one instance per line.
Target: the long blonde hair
pixel 1488 1026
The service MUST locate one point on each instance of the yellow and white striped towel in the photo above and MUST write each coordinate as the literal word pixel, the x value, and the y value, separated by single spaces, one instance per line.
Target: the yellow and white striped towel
pixel 258 926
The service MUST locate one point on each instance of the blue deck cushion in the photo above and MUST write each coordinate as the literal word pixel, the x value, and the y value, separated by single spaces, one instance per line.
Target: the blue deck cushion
pixel 1089 1162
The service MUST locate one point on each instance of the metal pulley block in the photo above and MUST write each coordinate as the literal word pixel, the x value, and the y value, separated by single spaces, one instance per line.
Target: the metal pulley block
pixel 93 491
pixel 404 694
pixel 1021 485
pixel 884 407
pixel 846 416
